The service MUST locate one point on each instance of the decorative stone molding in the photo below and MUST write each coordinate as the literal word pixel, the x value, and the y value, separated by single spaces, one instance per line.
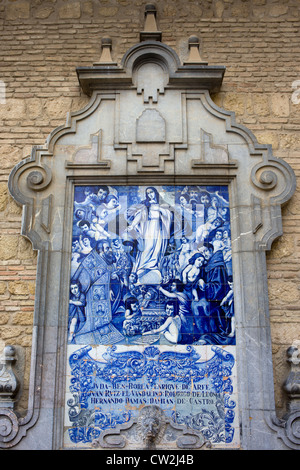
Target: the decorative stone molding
pixel 108 143
pixel 292 388
pixel 9 387
pixel 288 427
pixel 9 384
pixel 292 383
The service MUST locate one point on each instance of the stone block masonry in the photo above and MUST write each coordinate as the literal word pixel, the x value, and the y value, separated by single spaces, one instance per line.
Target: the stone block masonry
pixel 41 45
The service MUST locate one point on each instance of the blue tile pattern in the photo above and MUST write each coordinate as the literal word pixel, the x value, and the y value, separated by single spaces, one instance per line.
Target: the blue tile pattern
pixel 151 290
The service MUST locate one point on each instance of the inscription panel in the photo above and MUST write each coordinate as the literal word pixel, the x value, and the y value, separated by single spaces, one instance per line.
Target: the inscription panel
pixel 151 311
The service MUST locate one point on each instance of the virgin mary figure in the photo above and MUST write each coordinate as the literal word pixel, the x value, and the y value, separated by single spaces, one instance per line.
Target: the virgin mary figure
pixel 151 227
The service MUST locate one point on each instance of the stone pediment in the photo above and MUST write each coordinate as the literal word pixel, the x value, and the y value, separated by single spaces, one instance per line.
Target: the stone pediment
pixel 109 76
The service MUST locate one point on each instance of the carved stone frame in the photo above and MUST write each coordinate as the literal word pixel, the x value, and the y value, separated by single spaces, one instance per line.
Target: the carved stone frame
pixel 259 184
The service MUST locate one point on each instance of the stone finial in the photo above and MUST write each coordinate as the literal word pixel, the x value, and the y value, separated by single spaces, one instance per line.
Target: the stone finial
pixel 194 55
pixel 292 383
pixel 9 384
pixel 150 30
pixel 106 59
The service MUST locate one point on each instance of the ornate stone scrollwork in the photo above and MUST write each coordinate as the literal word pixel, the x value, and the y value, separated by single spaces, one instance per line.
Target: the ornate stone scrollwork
pixel 9 426
pixel 26 182
pixel 273 175
pixel 276 184
pixel 267 180
pixel 39 178
pixel 292 428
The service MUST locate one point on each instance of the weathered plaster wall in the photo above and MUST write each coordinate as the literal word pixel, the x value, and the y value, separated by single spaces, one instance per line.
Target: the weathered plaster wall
pixel 42 42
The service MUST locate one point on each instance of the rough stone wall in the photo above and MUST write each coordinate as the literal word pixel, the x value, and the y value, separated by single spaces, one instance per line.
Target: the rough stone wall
pixel 42 42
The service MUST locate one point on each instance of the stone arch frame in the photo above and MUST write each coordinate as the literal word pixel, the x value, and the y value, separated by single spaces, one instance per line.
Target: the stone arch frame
pixel 259 185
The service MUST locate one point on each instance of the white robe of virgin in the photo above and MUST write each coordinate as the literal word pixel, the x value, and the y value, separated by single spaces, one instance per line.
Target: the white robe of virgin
pixel 153 227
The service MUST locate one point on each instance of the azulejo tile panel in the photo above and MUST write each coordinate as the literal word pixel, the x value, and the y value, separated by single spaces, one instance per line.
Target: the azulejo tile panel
pixel 151 310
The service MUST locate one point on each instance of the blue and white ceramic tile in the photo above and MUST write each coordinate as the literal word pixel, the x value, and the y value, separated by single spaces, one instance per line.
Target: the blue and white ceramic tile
pixel 151 312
